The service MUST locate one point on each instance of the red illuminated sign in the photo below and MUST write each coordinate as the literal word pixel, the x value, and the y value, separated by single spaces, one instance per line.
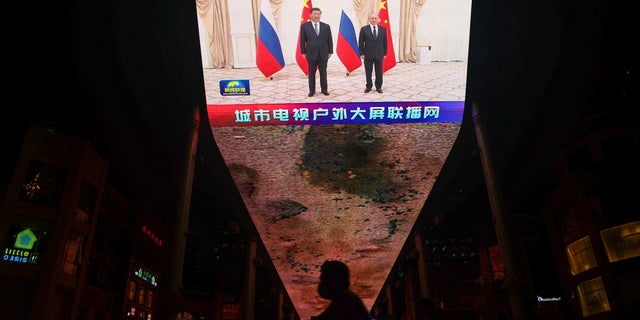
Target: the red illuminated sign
pixel 152 235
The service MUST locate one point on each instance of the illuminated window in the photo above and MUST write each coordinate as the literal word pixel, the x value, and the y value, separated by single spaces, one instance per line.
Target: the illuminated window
pixel 73 253
pixel 622 242
pixel 149 302
pixel 580 255
pixel 43 184
pixel 141 292
pixel 593 297
pixel 131 290
pixel 497 264
pixel 185 316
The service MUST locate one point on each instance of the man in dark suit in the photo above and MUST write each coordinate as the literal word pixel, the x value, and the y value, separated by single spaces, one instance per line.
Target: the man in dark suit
pixel 316 45
pixel 372 43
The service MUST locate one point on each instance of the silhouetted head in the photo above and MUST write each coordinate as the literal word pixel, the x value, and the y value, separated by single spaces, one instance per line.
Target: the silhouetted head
pixel 334 279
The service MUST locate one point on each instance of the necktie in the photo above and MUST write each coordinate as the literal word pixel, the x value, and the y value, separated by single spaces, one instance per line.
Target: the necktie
pixel 315 26
pixel 375 32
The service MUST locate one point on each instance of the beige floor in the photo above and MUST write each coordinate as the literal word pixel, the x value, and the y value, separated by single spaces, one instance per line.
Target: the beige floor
pixel 438 81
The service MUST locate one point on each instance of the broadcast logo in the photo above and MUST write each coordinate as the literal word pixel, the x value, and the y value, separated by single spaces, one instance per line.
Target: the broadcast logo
pixel 234 87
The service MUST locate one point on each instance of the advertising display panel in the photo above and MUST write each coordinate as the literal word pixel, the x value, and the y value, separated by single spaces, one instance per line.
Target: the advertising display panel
pixel 343 175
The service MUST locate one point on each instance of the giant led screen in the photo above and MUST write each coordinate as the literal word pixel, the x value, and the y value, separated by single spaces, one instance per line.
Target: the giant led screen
pixel 340 176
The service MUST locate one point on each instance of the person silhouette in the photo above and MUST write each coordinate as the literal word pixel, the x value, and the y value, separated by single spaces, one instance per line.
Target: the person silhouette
pixel 334 285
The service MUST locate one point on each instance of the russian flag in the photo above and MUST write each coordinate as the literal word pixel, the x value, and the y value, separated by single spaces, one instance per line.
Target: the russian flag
pixel 347 47
pixel 269 58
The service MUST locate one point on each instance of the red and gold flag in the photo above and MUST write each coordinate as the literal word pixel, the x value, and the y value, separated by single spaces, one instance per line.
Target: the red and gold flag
pixel 300 60
pixel 383 16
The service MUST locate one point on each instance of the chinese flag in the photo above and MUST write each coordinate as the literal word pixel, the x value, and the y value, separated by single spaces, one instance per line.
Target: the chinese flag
pixel 383 15
pixel 302 62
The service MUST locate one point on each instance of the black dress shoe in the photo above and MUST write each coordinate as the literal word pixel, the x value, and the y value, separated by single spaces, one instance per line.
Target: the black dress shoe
pixel 325 93
pixel 379 90
pixel 311 94
pixel 367 90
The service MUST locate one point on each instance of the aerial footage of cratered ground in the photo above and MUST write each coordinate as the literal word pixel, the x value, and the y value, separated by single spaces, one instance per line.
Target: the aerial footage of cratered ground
pixel 334 192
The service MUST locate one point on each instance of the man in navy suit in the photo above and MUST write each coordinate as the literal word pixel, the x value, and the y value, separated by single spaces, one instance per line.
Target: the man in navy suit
pixel 316 45
pixel 372 43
